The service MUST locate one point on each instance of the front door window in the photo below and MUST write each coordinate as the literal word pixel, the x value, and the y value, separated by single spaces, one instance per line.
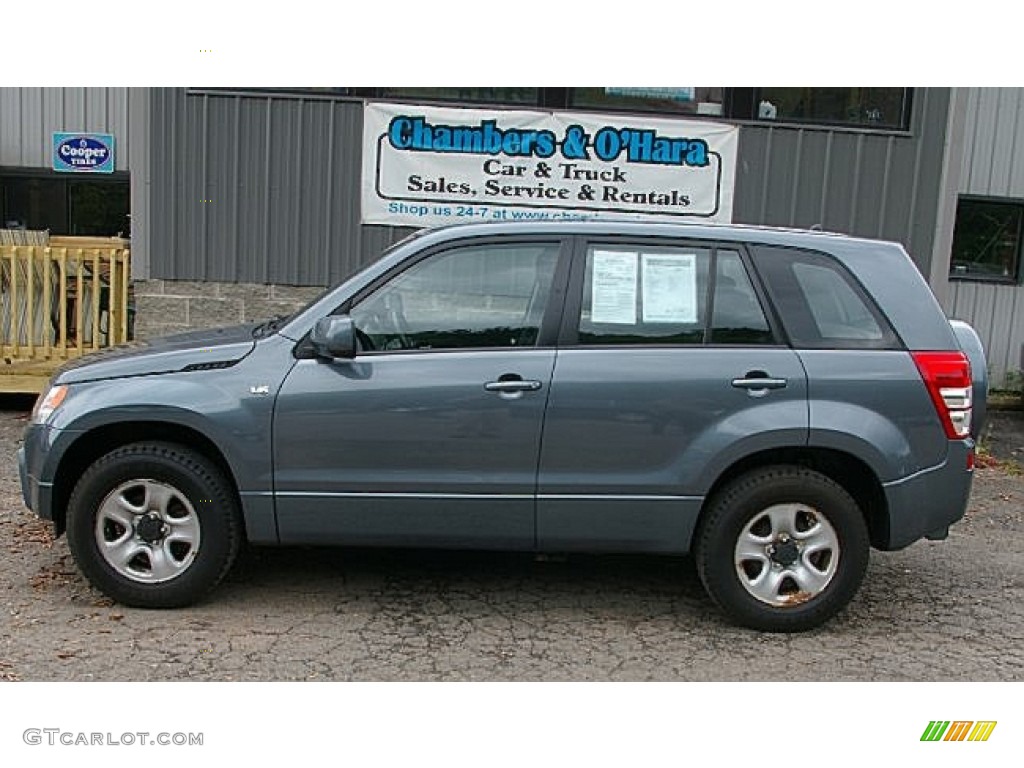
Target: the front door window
pixel 482 297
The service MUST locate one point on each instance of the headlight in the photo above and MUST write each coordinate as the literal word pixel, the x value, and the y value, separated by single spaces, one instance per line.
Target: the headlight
pixel 48 403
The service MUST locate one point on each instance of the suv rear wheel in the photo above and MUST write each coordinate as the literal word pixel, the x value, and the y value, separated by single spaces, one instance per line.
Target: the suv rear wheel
pixel 153 525
pixel 782 549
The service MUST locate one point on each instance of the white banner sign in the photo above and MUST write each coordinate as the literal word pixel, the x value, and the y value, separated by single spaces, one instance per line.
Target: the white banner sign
pixel 432 165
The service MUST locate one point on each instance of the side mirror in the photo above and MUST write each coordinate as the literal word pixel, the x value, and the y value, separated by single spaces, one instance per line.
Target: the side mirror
pixel 334 336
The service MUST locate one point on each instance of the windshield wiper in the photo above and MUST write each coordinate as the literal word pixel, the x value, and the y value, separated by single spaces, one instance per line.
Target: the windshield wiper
pixel 268 327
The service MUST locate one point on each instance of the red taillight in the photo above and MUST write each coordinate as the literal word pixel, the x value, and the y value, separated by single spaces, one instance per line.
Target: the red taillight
pixel 948 378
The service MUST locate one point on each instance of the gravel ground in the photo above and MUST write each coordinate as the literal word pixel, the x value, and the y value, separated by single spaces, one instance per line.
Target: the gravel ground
pixel 948 610
pixel 1004 435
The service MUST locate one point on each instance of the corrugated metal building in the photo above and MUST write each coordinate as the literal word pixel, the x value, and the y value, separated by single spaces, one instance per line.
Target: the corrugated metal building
pixel 991 187
pixel 244 202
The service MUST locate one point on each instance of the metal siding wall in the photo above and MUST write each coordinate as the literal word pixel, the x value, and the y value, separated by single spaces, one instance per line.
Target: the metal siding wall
pixel 138 106
pixel 28 117
pixel 1015 162
pixel 221 188
pixel 192 185
pixel 994 150
pixel 282 176
pixel 161 224
pixel 860 183
pixel 251 206
pixel 993 164
pixel 996 312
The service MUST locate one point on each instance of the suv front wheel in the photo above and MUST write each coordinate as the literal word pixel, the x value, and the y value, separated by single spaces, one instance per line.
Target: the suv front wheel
pixel 153 525
pixel 782 548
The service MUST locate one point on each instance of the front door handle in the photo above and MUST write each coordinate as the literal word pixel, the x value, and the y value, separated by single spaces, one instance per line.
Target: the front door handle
pixel 513 385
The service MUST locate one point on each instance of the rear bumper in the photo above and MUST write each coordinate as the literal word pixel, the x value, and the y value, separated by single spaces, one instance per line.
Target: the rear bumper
pixel 929 500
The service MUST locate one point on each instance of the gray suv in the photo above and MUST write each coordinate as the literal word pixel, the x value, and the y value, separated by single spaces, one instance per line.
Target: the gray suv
pixel 773 402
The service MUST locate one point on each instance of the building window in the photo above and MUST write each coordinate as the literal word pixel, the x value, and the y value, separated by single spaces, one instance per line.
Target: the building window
pixel 687 101
pixel 866 107
pixel 66 206
pixel 526 96
pixel 877 109
pixel 986 240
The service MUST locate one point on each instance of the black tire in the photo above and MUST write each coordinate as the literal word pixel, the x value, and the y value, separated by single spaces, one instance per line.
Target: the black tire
pixel 188 543
pixel 827 548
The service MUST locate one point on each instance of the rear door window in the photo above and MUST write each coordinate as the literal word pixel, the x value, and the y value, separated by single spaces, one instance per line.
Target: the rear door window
pixel 652 294
pixel 737 316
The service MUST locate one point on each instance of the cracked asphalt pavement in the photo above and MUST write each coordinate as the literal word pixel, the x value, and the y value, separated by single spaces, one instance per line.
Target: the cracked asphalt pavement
pixel 950 610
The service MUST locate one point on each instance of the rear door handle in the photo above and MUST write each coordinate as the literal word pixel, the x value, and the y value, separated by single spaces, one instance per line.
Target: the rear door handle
pixel 757 383
pixel 514 385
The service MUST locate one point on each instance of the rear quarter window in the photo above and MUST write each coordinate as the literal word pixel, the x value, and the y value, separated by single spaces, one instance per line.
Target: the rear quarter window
pixel 820 304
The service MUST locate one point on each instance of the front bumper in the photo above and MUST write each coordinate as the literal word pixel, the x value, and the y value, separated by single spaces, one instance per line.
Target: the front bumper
pixel 35 492
pixel 28 485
